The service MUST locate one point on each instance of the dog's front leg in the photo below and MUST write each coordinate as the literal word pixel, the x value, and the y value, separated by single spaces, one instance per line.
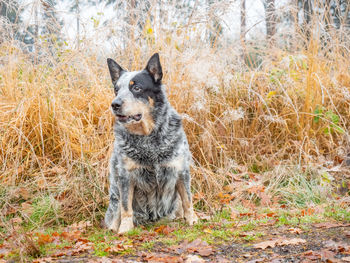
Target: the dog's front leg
pixel 126 189
pixel 183 187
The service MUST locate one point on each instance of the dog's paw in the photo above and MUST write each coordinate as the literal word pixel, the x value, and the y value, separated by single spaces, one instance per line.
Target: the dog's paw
pixel 113 225
pixel 191 218
pixel 126 225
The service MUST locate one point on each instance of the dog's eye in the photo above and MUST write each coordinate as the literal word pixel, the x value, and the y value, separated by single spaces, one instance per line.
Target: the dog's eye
pixel 136 88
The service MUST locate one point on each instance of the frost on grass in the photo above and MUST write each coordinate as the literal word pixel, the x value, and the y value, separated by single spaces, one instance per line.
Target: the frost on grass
pixel 234 114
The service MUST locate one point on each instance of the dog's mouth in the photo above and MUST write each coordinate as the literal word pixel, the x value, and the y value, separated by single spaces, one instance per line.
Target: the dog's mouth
pixel 125 119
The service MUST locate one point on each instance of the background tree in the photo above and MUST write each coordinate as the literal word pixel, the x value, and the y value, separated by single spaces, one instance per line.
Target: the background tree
pixel 214 23
pixel 243 22
pixel 270 19
pixel 10 18
pixel 51 30
pixel 75 6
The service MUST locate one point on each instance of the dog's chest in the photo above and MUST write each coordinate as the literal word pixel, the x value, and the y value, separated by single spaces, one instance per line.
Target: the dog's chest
pixel 151 152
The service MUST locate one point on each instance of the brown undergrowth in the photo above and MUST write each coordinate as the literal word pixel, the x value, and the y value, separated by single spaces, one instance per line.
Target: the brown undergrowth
pixel 256 134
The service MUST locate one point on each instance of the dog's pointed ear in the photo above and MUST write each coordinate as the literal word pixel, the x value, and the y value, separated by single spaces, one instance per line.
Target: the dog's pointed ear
pixel 114 69
pixel 154 68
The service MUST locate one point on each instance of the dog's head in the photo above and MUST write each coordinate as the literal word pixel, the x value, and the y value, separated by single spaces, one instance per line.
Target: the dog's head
pixel 137 94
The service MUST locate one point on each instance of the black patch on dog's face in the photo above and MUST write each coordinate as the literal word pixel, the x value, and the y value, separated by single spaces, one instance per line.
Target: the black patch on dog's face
pixel 115 70
pixel 143 87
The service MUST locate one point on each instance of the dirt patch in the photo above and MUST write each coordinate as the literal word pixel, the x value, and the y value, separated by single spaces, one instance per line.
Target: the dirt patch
pixel 321 245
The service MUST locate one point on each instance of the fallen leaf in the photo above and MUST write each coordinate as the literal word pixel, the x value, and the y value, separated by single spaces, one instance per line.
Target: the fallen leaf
pixel 194 259
pixel 323 255
pixel 165 230
pixel 71 235
pixel 80 226
pixel 27 208
pixel 279 242
pixel 337 247
pixel 265 199
pixel 327 225
pixel 16 220
pixel 312 255
pixel 309 211
pixel 199 246
pixel 118 246
pixel 10 210
pixel 43 260
pixel 244 234
pixel 293 241
pixel 44 239
pixel 295 230
pixel 81 247
pixel 23 193
pixel 156 258
pixel 265 244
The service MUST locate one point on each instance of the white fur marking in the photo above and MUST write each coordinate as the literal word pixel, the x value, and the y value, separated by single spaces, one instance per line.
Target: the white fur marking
pixel 114 225
pixel 126 225
pixel 177 163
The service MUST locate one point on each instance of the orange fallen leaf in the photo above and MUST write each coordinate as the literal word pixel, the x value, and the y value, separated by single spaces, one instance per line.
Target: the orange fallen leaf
pixel 43 239
pixel 162 258
pixel 295 230
pixel 71 235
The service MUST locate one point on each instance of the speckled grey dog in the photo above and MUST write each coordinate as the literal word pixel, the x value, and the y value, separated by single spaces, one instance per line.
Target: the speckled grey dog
pixel 149 169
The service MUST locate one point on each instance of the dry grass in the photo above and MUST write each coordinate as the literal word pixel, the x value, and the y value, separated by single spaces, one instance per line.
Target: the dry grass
pixel 56 126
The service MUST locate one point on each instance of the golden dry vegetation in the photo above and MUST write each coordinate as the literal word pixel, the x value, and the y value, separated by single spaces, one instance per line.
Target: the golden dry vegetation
pixel 280 127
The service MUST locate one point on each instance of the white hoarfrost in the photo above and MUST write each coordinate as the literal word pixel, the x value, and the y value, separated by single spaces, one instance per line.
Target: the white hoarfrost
pixel 233 114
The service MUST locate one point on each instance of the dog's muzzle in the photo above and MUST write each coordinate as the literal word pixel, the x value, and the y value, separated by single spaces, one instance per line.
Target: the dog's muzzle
pixel 117 110
pixel 125 119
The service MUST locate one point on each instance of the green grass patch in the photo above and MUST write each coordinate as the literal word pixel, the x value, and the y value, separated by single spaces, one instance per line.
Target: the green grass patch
pixel 338 213
pixel 134 232
pixel 148 245
pixel 224 214
pixel 46 209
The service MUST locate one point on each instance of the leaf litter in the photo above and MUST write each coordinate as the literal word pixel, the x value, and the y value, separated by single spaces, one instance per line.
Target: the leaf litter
pixel 319 243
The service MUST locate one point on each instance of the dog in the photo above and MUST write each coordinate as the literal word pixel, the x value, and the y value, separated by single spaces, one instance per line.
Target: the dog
pixel 150 163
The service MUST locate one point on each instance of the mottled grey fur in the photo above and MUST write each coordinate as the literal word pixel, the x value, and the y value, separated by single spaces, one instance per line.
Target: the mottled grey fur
pixel 153 170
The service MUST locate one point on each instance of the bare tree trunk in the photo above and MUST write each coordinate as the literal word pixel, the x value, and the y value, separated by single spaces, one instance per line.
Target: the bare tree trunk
pixel 296 25
pixel 132 15
pixel 77 13
pixel 307 7
pixel 270 18
pixel 243 22
pixel 36 26
pixel 131 25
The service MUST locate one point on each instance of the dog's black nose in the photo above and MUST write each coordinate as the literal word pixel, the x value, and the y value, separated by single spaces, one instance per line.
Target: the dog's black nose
pixel 116 104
